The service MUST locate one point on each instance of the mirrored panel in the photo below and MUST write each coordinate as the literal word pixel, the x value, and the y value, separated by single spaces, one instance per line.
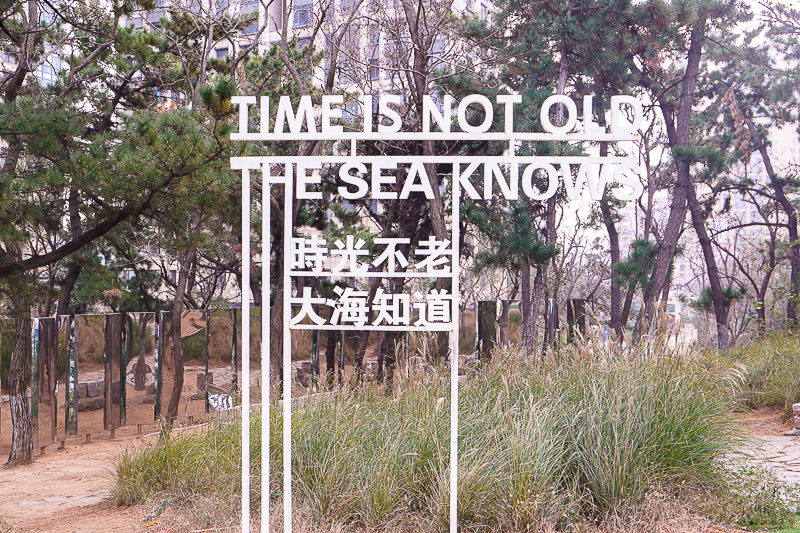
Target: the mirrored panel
pixel 6 343
pixel 140 374
pixel 68 345
pixel 220 350
pixel 91 346
pixel 47 374
pixel 113 383
pixel 254 352
pixel 165 369
pixel 194 343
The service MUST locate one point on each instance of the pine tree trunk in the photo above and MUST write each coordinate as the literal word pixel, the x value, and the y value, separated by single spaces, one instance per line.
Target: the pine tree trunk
pixel 613 240
pixel 791 222
pixel 717 296
pixel 678 126
pixel 21 428
pixel 528 313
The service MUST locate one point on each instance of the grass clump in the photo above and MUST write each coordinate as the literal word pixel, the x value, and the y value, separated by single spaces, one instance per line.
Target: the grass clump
pixel 541 446
pixel 772 370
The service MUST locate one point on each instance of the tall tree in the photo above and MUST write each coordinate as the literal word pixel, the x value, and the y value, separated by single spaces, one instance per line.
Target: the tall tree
pixel 684 36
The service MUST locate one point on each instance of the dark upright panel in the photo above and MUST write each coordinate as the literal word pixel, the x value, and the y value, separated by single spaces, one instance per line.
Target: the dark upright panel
pixel 113 372
pixel 235 352
pixel 551 331
pixel 71 405
pixel 123 365
pixel 35 382
pixel 208 341
pixel 140 368
pixel 163 369
pixel 487 328
pixel 222 338
pixel 576 316
pixel 47 377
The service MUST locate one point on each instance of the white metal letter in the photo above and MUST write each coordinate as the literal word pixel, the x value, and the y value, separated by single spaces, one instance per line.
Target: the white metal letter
pixel 487 109
pixel 572 114
pixel 417 169
pixel 304 180
pixel 429 110
pixel 285 114
pixel 328 113
pixel 244 103
pixel 508 101
pixel 385 110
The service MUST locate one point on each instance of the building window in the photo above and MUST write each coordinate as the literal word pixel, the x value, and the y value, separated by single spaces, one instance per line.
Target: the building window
pixel 374 68
pixel 173 275
pixel 46 75
pixel 154 17
pixel 302 13
pixel 350 111
pixel 127 275
pixel 222 53
pixel 249 10
pixel 349 55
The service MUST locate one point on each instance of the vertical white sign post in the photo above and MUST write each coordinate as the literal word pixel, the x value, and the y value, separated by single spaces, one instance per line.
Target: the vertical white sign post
pixel 432 258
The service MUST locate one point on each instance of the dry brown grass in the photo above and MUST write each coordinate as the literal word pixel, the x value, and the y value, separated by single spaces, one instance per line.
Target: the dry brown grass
pixel 91 338
pixel 660 513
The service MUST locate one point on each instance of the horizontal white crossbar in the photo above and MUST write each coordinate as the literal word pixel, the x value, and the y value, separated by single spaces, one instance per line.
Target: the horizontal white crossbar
pixel 304 273
pixel 254 161
pixel 432 136
pixel 347 327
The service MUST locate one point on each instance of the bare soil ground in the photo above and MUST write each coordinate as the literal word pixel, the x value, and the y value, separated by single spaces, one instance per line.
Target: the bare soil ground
pixel 766 421
pixel 65 490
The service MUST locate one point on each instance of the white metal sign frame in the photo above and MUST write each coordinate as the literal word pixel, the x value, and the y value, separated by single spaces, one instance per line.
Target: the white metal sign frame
pixel 622 127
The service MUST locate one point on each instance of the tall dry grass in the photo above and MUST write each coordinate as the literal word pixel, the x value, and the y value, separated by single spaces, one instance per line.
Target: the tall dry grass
pixel 585 436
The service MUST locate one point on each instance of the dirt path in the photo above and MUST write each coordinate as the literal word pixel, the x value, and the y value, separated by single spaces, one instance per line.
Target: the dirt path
pixel 63 491
pixel 771 448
